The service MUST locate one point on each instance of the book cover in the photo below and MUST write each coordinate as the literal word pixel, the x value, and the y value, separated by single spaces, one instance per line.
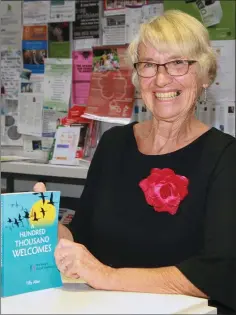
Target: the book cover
pixel 29 225
pixel 65 146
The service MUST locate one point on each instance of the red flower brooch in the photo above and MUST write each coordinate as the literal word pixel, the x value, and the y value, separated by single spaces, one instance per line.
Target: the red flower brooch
pixel 164 190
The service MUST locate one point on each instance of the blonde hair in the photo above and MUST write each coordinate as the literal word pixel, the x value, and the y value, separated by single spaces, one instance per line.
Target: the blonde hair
pixel 181 34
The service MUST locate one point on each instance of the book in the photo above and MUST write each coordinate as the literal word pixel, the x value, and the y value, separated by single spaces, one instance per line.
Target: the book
pixel 87 130
pixel 29 225
pixel 65 146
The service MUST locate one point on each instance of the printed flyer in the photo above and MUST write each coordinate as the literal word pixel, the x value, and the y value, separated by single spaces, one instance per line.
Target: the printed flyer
pixel 35 12
pixel 57 84
pixel 112 7
pixel 82 71
pixel 10 67
pixel 111 94
pixel 10 24
pixel 34 46
pixel 86 23
pixel 59 40
pixel 61 11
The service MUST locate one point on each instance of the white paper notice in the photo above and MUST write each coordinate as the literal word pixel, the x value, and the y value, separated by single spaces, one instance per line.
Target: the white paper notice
pixel 36 12
pixel 231 118
pixel 133 17
pixel 50 122
pixel 219 114
pixel 204 113
pixel 223 88
pixel 33 144
pixel 62 11
pixel 10 106
pixel 117 7
pixel 30 109
pixel 113 29
pixel 10 73
pixel 211 14
pixel 151 10
pixel 86 43
pixel 3 125
pixel 10 135
pixel 10 24
pixel 34 85
pixel 223 116
pixel 57 83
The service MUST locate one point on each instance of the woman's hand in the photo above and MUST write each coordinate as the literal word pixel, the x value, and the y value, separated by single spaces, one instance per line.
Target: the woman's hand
pixel 75 261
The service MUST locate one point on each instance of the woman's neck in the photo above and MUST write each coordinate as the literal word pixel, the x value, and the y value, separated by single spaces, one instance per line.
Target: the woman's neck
pixel 160 137
pixel 170 131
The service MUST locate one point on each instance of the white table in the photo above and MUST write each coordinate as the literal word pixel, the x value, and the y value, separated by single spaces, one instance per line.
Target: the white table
pixel 23 170
pixel 77 298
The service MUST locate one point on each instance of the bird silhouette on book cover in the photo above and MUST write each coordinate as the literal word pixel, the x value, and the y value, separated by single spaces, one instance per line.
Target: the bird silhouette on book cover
pixel 29 236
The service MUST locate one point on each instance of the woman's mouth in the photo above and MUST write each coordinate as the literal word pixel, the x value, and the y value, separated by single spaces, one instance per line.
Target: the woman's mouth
pixel 167 96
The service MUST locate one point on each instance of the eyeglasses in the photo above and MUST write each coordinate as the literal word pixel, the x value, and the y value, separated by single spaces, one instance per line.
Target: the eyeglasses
pixel 173 68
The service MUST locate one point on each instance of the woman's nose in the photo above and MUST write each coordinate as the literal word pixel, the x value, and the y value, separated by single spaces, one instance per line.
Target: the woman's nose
pixel 162 77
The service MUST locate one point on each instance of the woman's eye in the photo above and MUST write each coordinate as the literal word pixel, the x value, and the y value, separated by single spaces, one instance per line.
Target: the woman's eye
pixel 178 62
pixel 149 65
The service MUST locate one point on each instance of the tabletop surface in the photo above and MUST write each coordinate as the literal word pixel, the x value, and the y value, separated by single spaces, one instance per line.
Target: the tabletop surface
pixel 23 167
pixel 79 298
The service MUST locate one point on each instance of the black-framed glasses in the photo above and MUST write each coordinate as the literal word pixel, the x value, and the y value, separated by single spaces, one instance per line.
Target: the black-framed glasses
pixel 148 69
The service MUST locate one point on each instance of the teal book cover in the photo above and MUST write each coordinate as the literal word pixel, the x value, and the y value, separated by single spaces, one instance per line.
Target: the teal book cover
pixel 29 232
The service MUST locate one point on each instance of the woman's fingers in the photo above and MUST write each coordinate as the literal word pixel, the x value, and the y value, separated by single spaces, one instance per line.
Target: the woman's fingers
pixel 66 265
pixel 39 187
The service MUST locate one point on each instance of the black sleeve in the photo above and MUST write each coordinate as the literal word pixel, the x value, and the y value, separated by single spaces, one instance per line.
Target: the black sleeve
pixel 214 272
pixel 79 225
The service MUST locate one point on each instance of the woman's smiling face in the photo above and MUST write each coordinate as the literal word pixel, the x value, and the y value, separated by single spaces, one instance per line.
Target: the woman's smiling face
pixel 168 97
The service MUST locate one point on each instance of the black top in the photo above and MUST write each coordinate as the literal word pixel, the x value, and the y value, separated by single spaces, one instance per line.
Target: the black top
pixel 115 222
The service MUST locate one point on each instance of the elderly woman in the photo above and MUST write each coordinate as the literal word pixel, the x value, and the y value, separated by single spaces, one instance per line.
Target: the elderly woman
pixel 158 211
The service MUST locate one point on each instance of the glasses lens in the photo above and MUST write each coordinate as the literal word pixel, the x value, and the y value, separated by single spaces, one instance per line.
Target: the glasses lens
pixel 177 67
pixel 146 69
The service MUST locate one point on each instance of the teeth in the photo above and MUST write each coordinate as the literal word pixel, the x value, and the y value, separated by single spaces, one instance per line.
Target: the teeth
pixel 167 96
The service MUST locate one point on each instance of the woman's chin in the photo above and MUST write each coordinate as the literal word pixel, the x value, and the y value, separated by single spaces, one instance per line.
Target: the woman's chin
pixel 168 114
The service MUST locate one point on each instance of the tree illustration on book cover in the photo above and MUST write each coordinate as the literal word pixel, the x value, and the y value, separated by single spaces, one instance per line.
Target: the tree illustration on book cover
pixel 29 224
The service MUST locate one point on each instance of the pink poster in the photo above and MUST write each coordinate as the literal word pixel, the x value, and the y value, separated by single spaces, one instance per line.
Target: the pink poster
pixel 111 96
pixel 82 70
